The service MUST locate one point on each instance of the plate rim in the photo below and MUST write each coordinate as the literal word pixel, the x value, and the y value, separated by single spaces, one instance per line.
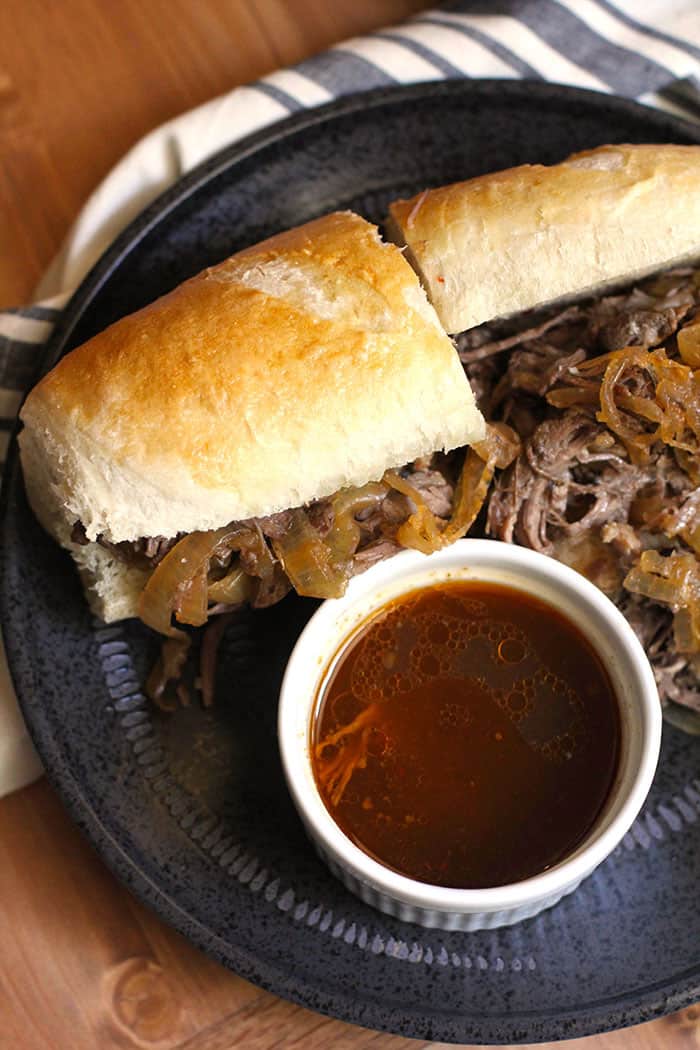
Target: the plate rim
pixel 615 1011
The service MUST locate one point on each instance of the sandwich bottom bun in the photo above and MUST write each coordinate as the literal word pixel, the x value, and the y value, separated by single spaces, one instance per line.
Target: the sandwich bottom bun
pixel 111 587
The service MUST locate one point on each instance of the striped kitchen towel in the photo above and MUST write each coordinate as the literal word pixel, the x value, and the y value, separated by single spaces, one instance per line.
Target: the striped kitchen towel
pixel 649 52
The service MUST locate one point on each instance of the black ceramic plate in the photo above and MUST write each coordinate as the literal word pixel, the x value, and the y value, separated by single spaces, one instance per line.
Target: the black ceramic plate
pixel 190 809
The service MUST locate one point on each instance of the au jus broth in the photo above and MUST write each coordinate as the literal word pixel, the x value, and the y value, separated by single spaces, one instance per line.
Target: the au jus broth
pixel 467 736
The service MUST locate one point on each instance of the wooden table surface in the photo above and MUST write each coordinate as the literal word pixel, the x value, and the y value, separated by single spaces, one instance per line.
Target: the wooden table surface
pixel 82 964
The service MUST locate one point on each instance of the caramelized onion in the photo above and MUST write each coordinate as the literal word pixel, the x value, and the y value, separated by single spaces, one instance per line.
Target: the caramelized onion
pixel 641 406
pixel 320 566
pixel 166 674
pixel 174 575
pixel 233 589
pixel 500 448
pixel 421 531
pixel 351 501
pixel 256 556
pixel 424 531
pixel 570 396
pixel 191 600
pixel 307 560
pixel 686 628
pixel 628 430
pixel 688 463
pixel 678 394
pixel 471 492
pixel 643 398
pixel 343 537
pixel 674 581
pixel 500 444
pixel 653 577
pixel 686 631
pixel 691 535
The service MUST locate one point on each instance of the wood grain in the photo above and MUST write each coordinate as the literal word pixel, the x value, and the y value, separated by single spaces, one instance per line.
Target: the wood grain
pixel 83 964
pixel 81 81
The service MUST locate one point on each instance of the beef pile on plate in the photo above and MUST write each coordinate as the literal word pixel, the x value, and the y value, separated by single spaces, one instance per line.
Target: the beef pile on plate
pixel 605 398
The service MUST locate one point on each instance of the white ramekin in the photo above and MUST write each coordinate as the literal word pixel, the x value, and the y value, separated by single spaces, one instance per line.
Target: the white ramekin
pixel 610 634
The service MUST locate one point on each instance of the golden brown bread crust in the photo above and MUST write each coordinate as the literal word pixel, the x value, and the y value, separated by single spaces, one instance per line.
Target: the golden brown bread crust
pixel 516 239
pixel 306 363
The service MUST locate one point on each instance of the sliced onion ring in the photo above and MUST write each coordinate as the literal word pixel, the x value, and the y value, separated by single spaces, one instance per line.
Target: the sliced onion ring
pixel 191 600
pixel 421 531
pixel 427 533
pixel 233 589
pixel 188 559
pixel 500 444
pixel 343 537
pixel 472 488
pixel 307 561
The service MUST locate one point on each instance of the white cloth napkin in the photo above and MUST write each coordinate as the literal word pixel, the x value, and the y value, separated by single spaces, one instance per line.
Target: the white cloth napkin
pixel 648 51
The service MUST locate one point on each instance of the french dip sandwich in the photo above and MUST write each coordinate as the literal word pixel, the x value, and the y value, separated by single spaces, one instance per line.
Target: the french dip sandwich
pixel 217 446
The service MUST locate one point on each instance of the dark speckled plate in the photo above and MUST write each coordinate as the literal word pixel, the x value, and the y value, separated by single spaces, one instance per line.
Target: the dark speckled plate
pixel 190 809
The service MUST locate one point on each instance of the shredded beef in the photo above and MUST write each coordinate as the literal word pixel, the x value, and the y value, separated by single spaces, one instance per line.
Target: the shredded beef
pixel 375 552
pixel 574 492
pixel 471 348
pixel 166 683
pixel 564 482
pixel 274 526
pixel 639 328
pixel 213 633
pixel 270 591
pixel 676 675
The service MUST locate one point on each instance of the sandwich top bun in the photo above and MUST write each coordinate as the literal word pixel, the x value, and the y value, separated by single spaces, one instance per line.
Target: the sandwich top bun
pixel 516 239
pixel 299 366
